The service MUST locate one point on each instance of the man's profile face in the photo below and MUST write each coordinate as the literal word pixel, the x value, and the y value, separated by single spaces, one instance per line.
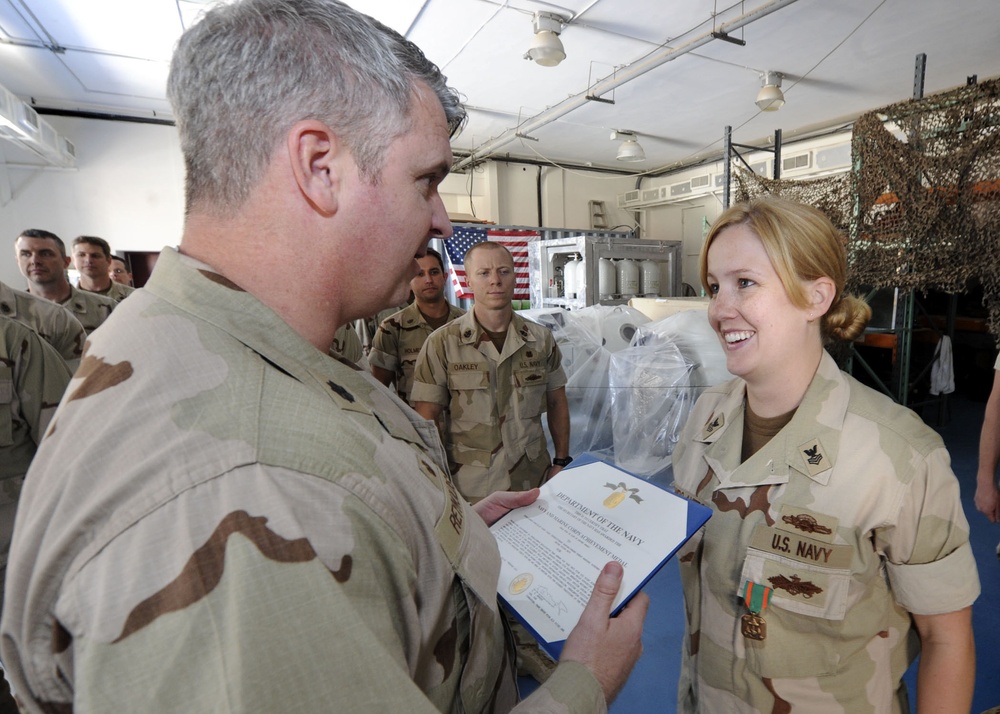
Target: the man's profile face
pixel 90 260
pixel 119 273
pixel 428 286
pixel 400 212
pixel 40 261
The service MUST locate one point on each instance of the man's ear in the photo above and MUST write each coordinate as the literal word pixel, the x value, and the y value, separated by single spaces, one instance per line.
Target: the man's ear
pixel 316 156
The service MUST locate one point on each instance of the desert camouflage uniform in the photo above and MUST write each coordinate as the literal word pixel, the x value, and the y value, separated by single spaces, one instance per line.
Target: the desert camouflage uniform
pixel 116 292
pixel 271 531
pixel 495 441
pixel 852 514
pixel 53 323
pixel 398 341
pixel 32 380
pixel 90 309
pixel 347 346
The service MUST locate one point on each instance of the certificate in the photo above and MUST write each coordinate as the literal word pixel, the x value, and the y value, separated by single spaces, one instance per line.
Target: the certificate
pixel 553 550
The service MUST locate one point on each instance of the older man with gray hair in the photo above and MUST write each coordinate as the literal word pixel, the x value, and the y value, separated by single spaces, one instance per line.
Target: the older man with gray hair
pixel 226 518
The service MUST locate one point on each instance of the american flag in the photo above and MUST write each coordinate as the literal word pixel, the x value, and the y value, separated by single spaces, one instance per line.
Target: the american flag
pixel 515 241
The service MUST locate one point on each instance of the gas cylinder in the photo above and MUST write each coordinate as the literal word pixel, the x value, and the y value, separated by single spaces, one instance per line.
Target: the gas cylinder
pixel 628 278
pixel 606 279
pixel 666 278
pixel 649 278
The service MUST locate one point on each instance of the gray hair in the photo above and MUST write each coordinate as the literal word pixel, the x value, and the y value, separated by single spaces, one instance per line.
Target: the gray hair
pixel 247 72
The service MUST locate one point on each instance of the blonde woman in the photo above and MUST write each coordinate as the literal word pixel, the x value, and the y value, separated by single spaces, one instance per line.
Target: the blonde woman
pixel 838 546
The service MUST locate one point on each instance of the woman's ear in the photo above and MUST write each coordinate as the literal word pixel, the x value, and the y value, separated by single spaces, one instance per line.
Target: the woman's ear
pixel 821 293
pixel 315 154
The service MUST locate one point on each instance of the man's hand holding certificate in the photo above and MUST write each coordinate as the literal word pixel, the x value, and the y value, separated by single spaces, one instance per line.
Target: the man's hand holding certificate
pixel 553 550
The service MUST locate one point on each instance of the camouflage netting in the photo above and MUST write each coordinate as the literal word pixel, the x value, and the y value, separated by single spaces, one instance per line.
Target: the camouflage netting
pixel 927 195
pixel 830 194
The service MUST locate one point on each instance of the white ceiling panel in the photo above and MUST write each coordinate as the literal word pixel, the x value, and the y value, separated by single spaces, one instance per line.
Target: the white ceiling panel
pixel 839 59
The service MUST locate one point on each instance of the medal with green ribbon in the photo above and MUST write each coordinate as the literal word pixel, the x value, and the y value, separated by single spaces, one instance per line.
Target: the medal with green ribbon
pixel 756 597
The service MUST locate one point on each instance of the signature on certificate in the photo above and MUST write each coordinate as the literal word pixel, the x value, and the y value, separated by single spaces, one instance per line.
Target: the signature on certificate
pixel 543 594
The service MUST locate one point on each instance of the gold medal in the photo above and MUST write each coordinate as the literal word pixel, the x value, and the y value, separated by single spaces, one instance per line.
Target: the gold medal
pixel 753 627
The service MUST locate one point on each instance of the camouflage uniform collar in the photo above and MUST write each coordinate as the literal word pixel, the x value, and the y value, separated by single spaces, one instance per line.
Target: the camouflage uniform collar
pixel 76 299
pixel 411 315
pixel 199 290
pixel 807 445
pixel 470 329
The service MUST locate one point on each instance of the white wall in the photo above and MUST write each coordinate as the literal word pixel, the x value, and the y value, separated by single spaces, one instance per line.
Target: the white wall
pixel 508 194
pixel 127 187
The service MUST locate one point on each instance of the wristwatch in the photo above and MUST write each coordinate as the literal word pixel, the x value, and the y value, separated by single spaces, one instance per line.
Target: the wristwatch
pixel 562 460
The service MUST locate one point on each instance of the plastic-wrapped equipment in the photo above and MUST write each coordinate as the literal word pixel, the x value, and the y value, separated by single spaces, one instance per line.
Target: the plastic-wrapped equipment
pixel 655 383
pixel 631 383
pixel 587 338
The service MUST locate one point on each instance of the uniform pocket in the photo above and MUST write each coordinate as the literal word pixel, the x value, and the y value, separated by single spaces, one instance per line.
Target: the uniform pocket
pixel 474 436
pixel 529 388
pixel 471 400
pixel 804 618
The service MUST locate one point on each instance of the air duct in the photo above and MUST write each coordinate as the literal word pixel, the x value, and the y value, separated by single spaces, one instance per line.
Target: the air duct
pixel 20 124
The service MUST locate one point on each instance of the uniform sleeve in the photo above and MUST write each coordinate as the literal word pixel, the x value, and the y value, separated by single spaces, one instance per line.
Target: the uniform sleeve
pixel 929 560
pixel 40 378
pixel 385 347
pixel 67 336
pixel 571 689
pixel 430 376
pixel 557 376
pixel 257 622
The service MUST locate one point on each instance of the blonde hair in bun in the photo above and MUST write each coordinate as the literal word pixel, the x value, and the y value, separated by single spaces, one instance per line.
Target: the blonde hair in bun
pixel 802 245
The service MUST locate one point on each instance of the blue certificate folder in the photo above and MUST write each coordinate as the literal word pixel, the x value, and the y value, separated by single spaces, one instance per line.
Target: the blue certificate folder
pixel 552 551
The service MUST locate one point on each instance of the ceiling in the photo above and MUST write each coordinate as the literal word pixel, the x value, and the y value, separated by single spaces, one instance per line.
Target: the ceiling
pixel 653 66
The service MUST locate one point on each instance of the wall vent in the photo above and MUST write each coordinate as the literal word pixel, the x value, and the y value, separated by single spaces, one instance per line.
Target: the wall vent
pixel 629 198
pixel 29 118
pixel 680 189
pixel 797 162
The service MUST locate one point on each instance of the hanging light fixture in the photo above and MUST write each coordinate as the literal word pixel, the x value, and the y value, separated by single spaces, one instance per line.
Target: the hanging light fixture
pixel 770 98
pixel 629 149
pixel 546 47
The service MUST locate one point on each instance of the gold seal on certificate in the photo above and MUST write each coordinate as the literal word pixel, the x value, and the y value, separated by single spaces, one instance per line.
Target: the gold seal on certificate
pixel 521 583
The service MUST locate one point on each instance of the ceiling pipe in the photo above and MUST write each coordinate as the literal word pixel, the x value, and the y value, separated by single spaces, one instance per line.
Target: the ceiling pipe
pixel 606 85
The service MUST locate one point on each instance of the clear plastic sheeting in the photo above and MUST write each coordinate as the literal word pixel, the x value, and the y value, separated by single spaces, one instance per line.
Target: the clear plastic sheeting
pixel 587 338
pixel 694 337
pixel 655 383
pixel 631 383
